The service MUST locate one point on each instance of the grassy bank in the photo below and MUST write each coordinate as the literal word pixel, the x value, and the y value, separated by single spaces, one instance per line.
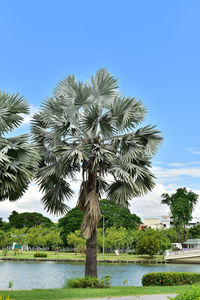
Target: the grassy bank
pixel 65 293
pixel 72 256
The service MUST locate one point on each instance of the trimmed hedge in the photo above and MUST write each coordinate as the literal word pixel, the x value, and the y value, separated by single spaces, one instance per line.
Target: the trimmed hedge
pixel 40 254
pixel 170 278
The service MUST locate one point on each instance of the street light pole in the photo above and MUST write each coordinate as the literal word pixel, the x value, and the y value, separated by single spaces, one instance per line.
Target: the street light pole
pixel 103 236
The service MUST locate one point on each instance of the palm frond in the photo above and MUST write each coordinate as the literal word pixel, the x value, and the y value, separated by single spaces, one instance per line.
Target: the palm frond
pixel 11 109
pixel 56 191
pixel 92 214
pixel 66 89
pixel 21 164
pixel 127 113
pixel 150 138
pixel 104 87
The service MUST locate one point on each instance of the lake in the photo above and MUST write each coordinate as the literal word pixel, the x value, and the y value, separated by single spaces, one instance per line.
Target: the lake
pixel 45 275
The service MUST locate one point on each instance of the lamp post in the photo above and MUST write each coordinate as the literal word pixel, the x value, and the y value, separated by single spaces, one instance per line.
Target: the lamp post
pixel 103 235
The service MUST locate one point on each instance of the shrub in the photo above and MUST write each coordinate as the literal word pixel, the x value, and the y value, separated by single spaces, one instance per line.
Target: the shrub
pixel 191 294
pixel 40 254
pixel 170 278
pixel 15 251
pixel 81 249
pixel 89 282
pixel 148 245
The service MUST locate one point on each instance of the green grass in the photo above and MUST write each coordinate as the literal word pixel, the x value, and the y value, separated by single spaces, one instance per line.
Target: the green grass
pixel 65 293
pixel 107 256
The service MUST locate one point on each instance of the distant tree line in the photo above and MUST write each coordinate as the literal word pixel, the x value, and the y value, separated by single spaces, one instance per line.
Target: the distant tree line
pixel 114 216
pixel 120 228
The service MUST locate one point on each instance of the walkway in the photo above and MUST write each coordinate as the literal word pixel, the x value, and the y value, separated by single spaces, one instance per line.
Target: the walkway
pixel 141 297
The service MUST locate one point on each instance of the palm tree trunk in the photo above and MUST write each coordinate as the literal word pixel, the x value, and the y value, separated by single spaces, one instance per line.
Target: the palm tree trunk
pixel 91 255
pixel 91 243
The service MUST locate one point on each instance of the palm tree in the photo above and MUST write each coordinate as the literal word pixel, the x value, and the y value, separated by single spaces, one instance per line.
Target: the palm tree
pixel 18 159
pixel 90 130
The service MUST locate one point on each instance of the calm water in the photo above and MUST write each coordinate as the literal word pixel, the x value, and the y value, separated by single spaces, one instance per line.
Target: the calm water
pixel 30 275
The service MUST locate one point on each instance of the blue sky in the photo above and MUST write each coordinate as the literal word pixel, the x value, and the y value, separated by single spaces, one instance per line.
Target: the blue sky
pixel 152 47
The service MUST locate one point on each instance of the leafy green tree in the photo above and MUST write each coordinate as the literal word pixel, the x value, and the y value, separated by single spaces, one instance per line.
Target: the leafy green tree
pixel 161 236
pixel 53 238
pixel 70 222
pixel 135 236
pixel 194 232
pixel 13 215
pixel 2 238
pixel 89 128
pixel 18 236
pixel 37 236
pixel 100 240
pixel 3 225
pixel 18 158
pixel 20 220
pixel 172 234
pixel 76 239
pixel 115 215
pixel 148 245
pixel 181 205
pixel 117 238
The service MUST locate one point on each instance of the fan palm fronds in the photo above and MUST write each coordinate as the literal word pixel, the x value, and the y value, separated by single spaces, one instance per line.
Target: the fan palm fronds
pixel 18 158
pixel 89 128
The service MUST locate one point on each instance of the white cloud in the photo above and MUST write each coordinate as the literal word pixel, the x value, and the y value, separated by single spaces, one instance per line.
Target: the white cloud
pixel 158 162
pixel 30 202
pixel 193 151
pixel 174 173
pixel 150 205
pixel 27 118
pixel 187 164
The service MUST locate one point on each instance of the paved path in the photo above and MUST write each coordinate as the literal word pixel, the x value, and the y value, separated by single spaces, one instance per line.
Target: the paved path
pixel 141 297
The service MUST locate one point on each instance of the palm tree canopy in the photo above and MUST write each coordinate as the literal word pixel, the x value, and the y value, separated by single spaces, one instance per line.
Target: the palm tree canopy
pixel 89 128
pixel 18 159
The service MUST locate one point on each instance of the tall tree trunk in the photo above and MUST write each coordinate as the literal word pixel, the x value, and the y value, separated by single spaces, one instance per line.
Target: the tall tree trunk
pixel 179 234
pixel 184 233
pixel 91 243
pixel 91 255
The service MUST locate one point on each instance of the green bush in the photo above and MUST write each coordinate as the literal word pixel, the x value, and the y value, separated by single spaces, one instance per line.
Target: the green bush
pixel 40 254
pixel 89 282
pixel 170 278
pixel 148 245
pixel 191 294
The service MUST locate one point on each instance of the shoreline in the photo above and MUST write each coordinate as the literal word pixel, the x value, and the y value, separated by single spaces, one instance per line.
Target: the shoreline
pixel 83 260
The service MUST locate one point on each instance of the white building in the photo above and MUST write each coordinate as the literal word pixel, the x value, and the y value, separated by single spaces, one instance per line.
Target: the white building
pixel 153 223
pixel 192 243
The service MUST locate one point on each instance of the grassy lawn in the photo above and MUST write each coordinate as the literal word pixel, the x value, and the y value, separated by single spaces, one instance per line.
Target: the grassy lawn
pixel 65 293
pixel 107 256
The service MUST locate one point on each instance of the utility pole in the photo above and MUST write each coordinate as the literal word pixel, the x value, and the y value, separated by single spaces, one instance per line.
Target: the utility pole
pixel 103 236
